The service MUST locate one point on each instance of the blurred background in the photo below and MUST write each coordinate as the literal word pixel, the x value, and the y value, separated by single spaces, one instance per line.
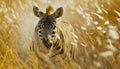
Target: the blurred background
pixel 96 22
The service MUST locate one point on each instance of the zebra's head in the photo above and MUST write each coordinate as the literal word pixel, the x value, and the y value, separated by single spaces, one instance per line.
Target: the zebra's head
pixel 47 22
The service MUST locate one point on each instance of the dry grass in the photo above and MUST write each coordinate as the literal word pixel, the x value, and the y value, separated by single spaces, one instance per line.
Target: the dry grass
pixel 96 22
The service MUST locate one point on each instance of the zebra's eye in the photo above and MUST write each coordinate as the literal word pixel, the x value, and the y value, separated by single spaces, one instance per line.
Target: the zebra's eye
pixel 40 32
pixel 53 32
pixel 53 36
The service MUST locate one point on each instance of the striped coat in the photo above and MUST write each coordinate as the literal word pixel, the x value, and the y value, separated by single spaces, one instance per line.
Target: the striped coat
pixel 62 43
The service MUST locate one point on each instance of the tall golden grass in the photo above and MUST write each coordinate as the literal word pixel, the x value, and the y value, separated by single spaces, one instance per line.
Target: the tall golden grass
pixel 96 22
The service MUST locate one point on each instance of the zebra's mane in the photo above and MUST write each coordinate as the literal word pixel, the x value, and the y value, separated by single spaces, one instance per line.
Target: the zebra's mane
pixel 49 9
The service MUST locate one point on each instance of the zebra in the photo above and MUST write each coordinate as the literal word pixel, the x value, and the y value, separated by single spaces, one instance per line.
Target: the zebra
pixel 54 40
pixel 52 37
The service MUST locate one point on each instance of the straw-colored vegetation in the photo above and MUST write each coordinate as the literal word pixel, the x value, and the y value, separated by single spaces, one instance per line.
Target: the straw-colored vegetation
pixel 96 22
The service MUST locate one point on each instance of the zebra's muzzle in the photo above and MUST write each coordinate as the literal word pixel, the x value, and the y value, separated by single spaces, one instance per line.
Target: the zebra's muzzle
pixel 47 43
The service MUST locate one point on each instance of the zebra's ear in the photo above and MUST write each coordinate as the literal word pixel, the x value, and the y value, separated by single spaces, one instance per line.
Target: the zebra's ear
pixel 37 12
pixel 58 12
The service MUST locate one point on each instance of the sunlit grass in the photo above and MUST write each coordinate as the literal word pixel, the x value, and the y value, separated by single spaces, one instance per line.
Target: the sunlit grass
pixel 97 24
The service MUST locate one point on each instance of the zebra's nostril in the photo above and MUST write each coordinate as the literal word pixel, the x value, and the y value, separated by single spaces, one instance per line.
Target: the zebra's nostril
pixel 58 48
pixel 50 44
pixel 41 39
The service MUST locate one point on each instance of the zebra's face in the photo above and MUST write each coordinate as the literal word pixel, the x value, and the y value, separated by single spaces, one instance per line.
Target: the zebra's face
pixel 47 23
pixel 47 27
